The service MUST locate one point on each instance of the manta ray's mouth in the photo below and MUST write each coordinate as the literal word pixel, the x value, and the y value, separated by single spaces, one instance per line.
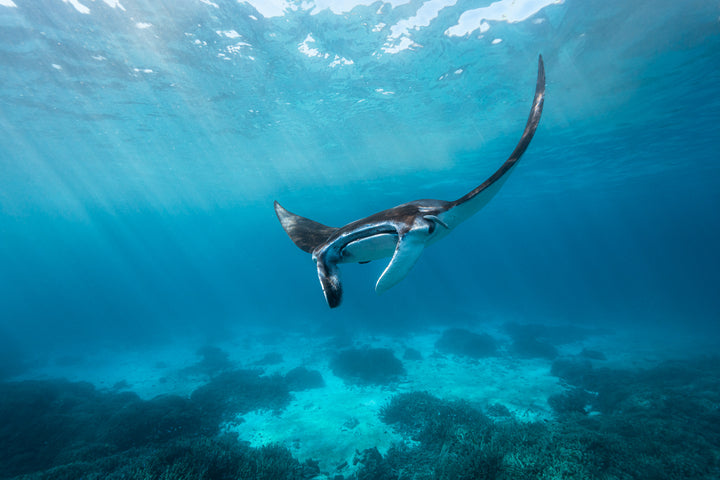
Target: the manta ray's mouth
pixel 370 248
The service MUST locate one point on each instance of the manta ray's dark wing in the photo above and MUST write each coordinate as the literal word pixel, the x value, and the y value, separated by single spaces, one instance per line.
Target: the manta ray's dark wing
pixel 305 233
pixel 473 200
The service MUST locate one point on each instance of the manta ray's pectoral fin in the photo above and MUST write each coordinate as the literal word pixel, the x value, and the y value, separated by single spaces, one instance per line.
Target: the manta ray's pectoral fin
pixel 470 203
pixel 407 251
pixel 305 233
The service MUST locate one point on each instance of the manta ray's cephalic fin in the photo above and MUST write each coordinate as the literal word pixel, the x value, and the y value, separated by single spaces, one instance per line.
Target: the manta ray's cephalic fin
pixel 409 246
pixel 329 276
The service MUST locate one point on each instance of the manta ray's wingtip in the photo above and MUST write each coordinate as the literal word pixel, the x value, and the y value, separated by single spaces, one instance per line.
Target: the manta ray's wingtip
pixel 541 72
pixel 279 209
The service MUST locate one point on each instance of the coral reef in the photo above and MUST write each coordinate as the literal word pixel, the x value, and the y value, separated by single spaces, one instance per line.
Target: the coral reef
pixel 213 362
pixel 658 423
pixel 412 354
pixel 458 341
pixel 272 358
pixel 46 423
pixel 592 354
pixel 301 378
pixel 455 440
pixel 662 422
pixel 576 400
pixel 240 391
pixel 572 370
pixel 524 347
pixel 552 334
pixel 540 341
pixel 65 430
pixel 201 458
pixel 427 419
pixel 498 410
pixel 367 366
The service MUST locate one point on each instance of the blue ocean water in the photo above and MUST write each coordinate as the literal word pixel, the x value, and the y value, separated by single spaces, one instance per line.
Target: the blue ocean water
pixel 142 145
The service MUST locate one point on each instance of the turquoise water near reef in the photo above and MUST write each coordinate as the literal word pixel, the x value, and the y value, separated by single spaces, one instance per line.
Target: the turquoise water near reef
pixel 142 145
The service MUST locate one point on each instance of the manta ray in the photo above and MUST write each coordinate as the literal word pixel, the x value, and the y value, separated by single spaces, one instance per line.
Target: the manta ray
pixel 402 232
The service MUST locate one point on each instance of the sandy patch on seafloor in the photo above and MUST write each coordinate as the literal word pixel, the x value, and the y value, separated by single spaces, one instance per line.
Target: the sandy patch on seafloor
pixel 328 425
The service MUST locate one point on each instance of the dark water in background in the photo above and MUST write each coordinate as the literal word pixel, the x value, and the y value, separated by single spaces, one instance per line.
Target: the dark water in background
pixel 142 148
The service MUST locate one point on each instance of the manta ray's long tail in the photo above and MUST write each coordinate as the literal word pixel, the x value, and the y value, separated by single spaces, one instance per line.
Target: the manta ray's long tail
pixel 473 200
